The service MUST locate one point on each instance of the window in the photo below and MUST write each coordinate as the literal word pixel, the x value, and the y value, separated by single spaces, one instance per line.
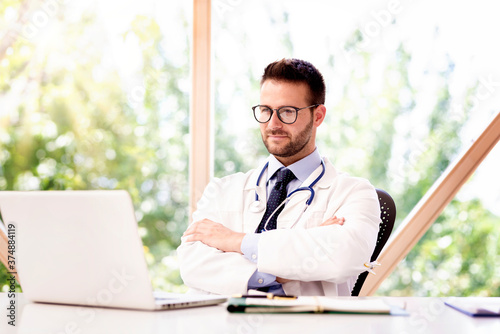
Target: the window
pixel 98 98
pixel 408 86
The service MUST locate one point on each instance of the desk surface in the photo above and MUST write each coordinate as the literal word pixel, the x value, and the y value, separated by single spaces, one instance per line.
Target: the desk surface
pixel 427 315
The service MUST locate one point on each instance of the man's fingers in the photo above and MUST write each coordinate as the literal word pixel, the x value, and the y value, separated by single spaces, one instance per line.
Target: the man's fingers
pixel 193 237
pixel 190 230
pixel 199 227
pixel 339 221
pixel 196 233
pixel 214 235
pixel 282 280
pixel 334 220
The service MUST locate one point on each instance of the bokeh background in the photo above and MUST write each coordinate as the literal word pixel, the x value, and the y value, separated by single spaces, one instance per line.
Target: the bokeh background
pixel 95 95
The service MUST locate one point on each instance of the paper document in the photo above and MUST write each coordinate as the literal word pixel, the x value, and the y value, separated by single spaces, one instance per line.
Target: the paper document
pixel 308 304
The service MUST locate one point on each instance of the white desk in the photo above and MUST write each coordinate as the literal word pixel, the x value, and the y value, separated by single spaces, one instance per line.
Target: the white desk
pixel 427 315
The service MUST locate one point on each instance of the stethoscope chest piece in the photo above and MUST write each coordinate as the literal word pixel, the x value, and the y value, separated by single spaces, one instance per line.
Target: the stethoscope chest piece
pixel 256 207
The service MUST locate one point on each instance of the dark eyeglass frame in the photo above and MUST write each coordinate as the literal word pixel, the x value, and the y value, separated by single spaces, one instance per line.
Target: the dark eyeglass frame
pixel 278 112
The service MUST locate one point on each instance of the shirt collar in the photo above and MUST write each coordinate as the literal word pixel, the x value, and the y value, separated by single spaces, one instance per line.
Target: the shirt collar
pixel 301 169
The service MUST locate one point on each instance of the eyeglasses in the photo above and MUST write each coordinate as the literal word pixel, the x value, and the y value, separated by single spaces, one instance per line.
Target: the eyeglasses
pixel 286 114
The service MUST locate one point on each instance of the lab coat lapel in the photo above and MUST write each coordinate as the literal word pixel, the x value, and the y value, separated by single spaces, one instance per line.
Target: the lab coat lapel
pixel 293 208
pixel 297 201
pixel 252 216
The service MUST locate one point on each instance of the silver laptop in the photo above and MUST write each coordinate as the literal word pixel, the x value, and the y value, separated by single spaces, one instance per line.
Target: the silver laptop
pixel 83 248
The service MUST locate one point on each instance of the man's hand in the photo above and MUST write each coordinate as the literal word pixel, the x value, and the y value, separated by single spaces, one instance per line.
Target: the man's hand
pixel 282 280
pixel 332 221
pixel 214 235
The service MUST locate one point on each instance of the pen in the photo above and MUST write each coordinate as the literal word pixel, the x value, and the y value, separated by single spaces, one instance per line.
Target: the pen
pixel 371 266
pixel 268 296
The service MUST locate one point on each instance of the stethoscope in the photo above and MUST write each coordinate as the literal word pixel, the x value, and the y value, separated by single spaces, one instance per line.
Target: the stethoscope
pixel 257 207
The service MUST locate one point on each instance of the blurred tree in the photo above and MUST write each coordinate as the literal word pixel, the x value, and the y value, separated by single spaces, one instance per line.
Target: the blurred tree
pixel 71 120
pixel 82 107
pixel 383 128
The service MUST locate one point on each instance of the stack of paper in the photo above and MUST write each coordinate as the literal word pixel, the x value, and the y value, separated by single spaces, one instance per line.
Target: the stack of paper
pixel 311 305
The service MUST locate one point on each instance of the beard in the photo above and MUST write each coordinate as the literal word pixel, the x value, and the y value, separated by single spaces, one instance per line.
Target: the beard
pixel 294 146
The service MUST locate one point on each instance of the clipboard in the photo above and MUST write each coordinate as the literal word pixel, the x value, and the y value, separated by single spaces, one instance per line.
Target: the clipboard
pixel 313 304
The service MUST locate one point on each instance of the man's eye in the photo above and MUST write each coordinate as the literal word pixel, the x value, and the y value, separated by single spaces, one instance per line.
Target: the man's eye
pixel 287 111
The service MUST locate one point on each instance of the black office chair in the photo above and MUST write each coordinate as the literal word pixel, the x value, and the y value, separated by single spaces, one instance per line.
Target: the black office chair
pixel 387 218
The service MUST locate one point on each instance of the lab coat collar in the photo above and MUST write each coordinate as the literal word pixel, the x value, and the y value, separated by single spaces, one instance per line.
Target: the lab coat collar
pixel 252 180
pixel 324 182
pixel 296 203
pixel 301 169
pixel 254 217
pixel 297 200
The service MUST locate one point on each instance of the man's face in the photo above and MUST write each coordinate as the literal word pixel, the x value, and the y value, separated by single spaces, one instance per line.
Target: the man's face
pixel 288 142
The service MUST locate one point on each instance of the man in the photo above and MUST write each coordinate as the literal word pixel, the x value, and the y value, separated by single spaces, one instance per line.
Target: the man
pixel 238 242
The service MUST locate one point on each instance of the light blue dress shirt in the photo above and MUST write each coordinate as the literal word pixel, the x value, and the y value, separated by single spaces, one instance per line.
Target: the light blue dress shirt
pixel 249 246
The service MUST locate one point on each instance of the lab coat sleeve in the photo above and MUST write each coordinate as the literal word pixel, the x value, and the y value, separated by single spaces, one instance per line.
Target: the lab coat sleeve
pixel 328 253
pixel 250 250
pixel 206 268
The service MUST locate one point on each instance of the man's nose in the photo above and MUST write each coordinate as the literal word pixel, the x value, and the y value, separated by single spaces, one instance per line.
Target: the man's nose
pixel 275 122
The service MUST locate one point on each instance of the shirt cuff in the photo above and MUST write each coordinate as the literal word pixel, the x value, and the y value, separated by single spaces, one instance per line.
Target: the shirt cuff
pixel 250 250
pixel 250 246
pixel 261 280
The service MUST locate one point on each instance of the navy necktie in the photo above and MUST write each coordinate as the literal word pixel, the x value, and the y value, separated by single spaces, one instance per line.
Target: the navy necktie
pixel 277 196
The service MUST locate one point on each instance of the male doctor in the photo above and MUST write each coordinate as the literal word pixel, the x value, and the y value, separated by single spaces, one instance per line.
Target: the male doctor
pixel 242 239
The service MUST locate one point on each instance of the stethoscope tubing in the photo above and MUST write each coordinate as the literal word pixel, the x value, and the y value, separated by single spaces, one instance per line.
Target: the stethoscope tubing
pixel 287 199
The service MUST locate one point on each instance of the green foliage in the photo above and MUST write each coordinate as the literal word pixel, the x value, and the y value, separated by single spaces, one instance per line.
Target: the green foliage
pixel 374 135
pixel 454 258
pixel 71 117
pixel 75 124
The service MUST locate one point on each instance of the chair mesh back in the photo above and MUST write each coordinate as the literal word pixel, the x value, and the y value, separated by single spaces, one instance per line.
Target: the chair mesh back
pixel 387 218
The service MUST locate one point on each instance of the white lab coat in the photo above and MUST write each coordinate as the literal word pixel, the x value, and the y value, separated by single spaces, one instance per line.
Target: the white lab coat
pixel 319 260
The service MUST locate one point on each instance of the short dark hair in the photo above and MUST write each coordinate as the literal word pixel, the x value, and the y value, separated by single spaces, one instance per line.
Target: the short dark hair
pixel 297 71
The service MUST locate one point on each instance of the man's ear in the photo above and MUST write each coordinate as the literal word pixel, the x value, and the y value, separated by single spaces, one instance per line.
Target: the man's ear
pixel 319 114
